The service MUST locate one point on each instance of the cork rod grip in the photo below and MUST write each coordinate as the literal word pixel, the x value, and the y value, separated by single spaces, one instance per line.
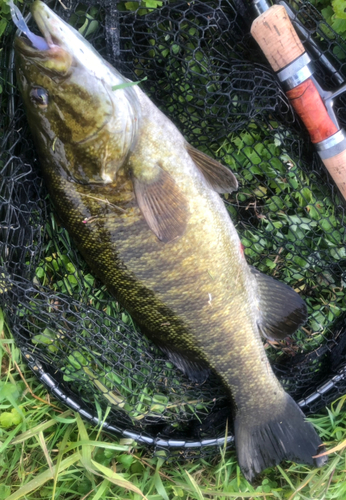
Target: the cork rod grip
pixel 336 166
pixel 274 33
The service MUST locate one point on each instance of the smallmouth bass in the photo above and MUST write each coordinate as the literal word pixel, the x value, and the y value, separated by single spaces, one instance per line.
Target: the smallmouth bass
pixel 144 209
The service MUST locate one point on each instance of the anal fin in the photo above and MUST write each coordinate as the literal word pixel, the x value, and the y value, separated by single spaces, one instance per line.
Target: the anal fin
pixel 195 369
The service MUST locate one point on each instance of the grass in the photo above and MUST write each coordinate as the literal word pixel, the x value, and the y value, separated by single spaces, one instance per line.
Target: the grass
pixel 48 452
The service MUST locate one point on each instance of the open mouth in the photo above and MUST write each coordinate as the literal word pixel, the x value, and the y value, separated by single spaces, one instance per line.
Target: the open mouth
pixel 31 42
pixel 46 50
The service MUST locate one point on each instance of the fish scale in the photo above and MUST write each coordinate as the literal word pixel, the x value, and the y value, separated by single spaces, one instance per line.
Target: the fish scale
pixel 144 209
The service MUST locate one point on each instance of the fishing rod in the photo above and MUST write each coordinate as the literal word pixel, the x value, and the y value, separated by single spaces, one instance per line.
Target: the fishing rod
pixel 280 43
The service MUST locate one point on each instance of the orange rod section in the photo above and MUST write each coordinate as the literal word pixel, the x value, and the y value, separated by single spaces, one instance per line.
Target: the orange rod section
pixel 308 104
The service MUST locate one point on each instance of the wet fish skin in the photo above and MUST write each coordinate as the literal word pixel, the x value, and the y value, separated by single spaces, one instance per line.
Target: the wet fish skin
pixel 144 210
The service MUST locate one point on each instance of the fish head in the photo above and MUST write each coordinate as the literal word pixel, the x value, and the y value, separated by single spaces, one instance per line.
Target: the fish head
pixel 72 109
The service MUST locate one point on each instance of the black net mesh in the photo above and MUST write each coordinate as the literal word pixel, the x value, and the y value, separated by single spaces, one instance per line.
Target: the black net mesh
pixel 208 75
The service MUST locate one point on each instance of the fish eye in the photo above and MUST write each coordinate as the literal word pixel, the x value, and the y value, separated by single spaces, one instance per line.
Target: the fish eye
pixel 39 96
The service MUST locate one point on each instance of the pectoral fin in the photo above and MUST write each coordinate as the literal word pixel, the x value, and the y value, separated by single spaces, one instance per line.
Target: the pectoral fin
pixel 219 177
pixel 162 204
pixel 281 310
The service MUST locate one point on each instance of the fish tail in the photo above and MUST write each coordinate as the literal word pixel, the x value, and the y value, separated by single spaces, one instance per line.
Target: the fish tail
pixel 265 437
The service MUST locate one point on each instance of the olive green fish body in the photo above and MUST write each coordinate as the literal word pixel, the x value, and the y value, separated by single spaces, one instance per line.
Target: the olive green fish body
pixel 144 209
pixel 178 294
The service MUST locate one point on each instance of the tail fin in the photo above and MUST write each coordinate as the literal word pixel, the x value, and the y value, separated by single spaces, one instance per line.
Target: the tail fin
pixel 265 442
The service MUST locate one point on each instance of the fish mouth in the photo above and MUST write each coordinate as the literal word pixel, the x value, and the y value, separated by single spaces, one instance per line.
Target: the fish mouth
pixel 48 24
pixel 48 50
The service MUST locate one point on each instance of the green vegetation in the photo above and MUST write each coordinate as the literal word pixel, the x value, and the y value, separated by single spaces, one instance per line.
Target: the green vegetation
pixel 144 5
pixel 5 16
pixel 333 12
pixel 297 236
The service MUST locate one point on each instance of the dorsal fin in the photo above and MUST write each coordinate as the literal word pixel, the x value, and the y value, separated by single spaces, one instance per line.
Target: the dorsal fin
pixel 219 177
pixel 281 310
pixel 162 204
